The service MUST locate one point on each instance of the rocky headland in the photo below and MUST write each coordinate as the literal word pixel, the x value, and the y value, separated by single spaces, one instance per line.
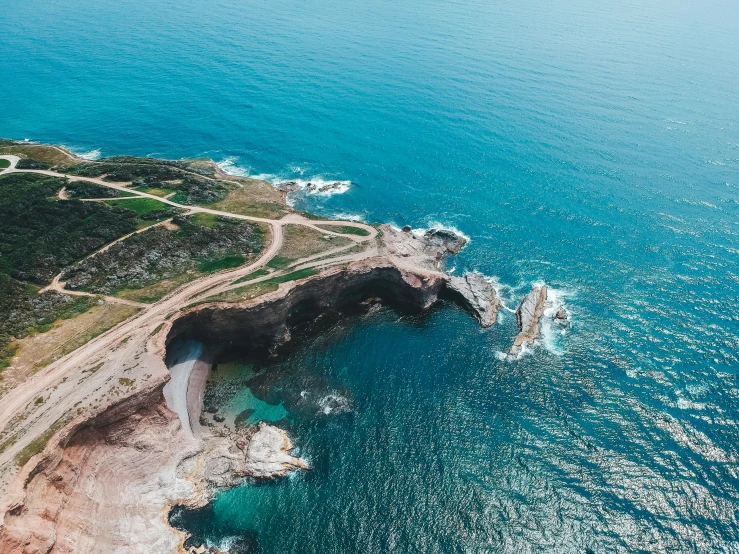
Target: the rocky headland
pixel 98 447
pixel 107 480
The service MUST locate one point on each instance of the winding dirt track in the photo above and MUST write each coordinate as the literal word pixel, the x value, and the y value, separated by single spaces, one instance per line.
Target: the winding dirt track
pixel 151 315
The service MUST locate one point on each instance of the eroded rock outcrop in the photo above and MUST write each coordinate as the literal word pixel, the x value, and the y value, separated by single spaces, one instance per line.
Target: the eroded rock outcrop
pixel 105 490
pixel 479 295
pixel 528 314
pixel 424 250
pixel 266 321
pixel 267 454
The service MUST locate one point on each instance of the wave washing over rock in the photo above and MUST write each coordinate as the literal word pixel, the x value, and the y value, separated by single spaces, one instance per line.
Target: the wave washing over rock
pixel 317 185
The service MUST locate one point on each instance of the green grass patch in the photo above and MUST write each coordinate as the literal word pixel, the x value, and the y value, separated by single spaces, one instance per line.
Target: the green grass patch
pixel 254 275
pixel 7 352
pixel 293 276
pixel 141 206
pixel 253 290
pixel 204 219
pixel 227 262
pixel 4 164
pixel 314 217
pixel 278 262
pixel 155 191
pixel 38 444
pixel 345 230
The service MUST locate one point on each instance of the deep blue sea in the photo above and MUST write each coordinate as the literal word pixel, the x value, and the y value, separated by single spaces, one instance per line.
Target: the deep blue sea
pixel 590 145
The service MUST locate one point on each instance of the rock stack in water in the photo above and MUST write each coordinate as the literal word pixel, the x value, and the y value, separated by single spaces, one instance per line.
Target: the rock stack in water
pixel 479 295
pixel 528 314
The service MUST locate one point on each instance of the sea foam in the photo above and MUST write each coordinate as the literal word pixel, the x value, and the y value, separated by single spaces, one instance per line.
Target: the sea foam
pixel 89 155
pixel 317 185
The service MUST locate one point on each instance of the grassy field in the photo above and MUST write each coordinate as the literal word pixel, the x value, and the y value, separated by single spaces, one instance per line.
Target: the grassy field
pixel 206 220
pixel 4 164
pixel 278 262
pixel 345 230
pixel 64 336
pixel 300 241
pixel 255 198
pixel 47 154
pixel 219 264
pixel 156 191
pixel 248 292
pixel 254 275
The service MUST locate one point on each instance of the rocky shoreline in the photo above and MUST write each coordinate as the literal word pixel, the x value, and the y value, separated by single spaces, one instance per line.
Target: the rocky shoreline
pixel 150 451
pixel 140 458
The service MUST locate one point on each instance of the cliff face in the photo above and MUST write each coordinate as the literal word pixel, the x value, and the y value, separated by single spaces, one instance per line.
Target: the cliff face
pixel 267 320
pixel 106 490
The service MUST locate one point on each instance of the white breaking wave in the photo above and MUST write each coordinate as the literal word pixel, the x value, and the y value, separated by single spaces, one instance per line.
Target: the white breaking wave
pixel 350 217
pixel 89 155
pixel 225 544
pixel 552 331
pixel 229 167
pixel 334 403
pixel 437 226
pixel 316 185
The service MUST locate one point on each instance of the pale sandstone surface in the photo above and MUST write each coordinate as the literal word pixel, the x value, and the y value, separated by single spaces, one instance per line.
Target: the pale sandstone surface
pixel 480 295
pixel 528 314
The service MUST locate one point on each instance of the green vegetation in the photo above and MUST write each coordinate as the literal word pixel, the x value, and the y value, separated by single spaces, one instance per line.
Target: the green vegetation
pixel 37 445
pixel 156 260
pixel 248 292
pixel 187 180
pixel 254 275
pixel 204 219
pixel 145 206
pixel 156 191
pixel 26 312
pixel 4 164
pixel 219 264
pixel 39 235
pixel 294 276
pixel 279 262
pixel 345 230
pixel 30 163
pixel 85 189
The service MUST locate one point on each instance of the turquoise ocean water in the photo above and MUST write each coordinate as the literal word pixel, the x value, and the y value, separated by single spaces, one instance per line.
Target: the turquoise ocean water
pixel 590 145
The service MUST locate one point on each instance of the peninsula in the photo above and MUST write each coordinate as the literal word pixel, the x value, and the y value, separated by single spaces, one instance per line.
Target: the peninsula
pixel 122 281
